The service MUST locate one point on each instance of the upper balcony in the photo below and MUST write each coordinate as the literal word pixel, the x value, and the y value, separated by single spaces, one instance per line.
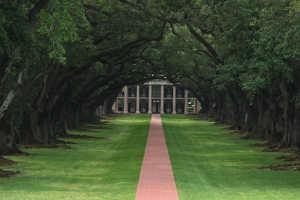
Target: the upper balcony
pixel 156 92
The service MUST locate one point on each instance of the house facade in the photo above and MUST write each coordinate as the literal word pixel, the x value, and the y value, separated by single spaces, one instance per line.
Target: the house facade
pixel 157 96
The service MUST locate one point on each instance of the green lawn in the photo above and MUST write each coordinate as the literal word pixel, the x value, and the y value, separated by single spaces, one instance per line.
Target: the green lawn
pixel 106 168
pixel 208 164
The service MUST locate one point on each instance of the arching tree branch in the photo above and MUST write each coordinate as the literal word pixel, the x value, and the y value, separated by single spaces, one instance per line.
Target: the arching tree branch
pixel 141 7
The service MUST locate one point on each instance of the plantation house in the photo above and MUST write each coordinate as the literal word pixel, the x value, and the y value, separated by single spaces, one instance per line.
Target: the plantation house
pixel 156 96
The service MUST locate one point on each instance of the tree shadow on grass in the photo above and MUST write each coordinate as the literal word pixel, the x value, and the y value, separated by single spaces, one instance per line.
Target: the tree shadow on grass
pixel 93 127
pixel 7 173
pixel 81 136
pixel 293 155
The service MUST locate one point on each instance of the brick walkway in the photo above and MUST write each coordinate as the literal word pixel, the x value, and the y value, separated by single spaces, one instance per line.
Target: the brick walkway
pixel 156 178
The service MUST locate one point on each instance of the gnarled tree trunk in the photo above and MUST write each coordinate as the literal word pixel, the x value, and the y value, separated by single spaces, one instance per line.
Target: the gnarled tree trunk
pixel 8 144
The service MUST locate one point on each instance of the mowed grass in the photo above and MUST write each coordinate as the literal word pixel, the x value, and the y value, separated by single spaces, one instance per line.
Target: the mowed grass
pixel 209 164
pixel 106 168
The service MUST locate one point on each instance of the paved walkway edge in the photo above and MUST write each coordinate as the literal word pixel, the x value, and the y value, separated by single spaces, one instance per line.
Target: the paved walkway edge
pixel 156 178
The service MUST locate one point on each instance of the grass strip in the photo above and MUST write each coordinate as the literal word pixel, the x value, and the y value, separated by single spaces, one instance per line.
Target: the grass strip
pixel 103 168
pixel 209 163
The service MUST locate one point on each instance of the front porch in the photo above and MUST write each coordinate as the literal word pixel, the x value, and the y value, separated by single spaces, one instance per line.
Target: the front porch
pixel 156 106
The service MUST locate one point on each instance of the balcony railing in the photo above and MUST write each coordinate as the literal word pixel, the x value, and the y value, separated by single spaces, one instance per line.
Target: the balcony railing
pixel 190 96
pixel 156 94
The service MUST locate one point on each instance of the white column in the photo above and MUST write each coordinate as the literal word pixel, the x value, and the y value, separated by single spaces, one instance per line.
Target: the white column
pixel 186 105
pixel 125 100
pixel 174 100
pixel 150 100
pixel 195 105
pixel 198 106
pixel 162 99
pixel 138 99
pixel 116 105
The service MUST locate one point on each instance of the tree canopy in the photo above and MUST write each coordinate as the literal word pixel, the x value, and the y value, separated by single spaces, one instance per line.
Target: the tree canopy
pixel 60 60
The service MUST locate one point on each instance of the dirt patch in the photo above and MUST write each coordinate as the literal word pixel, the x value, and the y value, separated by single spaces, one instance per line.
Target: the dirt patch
pixel 276 148
pixel 294 158
pixel 287 167
pixel 225 126
pixel 237 132
pixel 258 145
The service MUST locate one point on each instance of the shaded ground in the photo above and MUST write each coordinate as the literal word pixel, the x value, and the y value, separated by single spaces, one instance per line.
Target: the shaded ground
pixel 81 136
pixel 200 117
pixel 7 173
pixel 293 154
pixel 59 144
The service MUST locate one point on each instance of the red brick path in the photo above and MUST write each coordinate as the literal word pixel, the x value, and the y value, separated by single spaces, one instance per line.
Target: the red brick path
pixel 156 178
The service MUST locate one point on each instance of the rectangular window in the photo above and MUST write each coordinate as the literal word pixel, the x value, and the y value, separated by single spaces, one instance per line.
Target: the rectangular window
pixel 168 92
pixel 155 91
pixel 179 93
pixel 143 92
pixel 132 92
pixel 132 107
pixel 179 107
pixel 143 107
